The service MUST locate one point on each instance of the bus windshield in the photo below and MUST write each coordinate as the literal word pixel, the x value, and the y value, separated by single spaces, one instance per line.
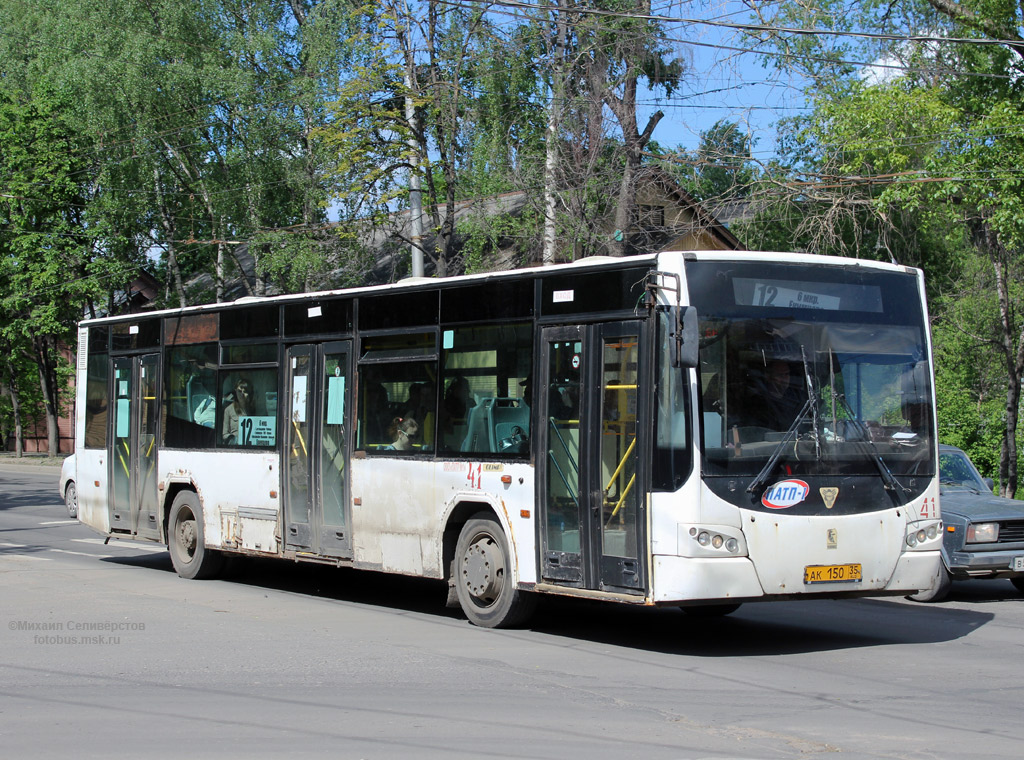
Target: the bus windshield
pixel 814 378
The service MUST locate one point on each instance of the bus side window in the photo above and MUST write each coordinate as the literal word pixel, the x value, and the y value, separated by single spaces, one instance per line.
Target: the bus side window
pixel 189 401
pixel 391 395
pixel 248 408
pixel 485 371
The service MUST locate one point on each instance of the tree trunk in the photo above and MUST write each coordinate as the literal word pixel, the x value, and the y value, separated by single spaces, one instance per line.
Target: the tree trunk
pixel 551 144
pixel 634 141
pixel 47 370
pixel 1014 362
pixel 169 230
pixel 12 392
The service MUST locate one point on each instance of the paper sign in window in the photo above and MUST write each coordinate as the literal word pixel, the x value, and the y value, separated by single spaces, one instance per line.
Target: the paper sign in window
pixel 299 398
pixel 335 400
pixel 122 417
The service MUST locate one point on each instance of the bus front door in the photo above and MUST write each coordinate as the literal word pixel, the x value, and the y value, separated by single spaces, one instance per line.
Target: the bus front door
pixel 133 481
pixel 591 501
pixel 315 449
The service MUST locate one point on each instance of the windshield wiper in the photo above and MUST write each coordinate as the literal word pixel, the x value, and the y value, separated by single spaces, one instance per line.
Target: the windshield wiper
pixel 810 407
pixel 867 447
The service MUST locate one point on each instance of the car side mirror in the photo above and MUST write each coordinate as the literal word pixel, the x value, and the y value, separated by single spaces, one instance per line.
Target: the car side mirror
pixel 990 483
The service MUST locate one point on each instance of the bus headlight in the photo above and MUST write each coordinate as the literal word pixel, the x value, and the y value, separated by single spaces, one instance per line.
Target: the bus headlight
pixel 924 536
pixel 982 533
pixel 710 541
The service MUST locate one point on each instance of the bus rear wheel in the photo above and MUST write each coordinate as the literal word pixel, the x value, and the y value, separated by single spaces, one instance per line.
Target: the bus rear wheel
pixel 185 540
pixel 483 579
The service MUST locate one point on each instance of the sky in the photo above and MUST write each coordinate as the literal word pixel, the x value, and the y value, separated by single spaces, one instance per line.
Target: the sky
pixel 722 82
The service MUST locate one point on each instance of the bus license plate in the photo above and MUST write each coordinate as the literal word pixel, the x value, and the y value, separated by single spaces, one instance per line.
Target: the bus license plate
pixel 1018 564
pixel 832 573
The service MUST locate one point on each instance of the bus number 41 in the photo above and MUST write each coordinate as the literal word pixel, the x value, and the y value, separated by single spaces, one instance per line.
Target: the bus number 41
pixel 473 476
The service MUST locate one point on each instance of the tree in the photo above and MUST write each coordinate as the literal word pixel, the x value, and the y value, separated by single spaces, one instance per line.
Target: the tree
pixel 44 242
pixel 619 50
pixel 925 154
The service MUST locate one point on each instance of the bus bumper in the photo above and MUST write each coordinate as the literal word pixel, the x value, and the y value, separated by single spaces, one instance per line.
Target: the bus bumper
pixel 915 571
pixel 688 578
pixel 684 578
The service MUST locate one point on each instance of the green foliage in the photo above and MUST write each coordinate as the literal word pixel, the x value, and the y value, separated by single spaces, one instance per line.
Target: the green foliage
pixel 925 164
pixel 721 168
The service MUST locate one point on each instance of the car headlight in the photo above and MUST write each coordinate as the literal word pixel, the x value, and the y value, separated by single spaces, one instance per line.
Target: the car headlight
pixel 982 533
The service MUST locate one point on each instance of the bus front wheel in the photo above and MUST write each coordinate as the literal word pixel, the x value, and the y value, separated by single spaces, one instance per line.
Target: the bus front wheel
pixel 483 577
pixel 939 590
pixel 71 499
pixel 185 542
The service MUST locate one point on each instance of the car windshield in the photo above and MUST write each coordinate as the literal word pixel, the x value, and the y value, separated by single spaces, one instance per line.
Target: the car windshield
pixel 956 471
pixel 825 376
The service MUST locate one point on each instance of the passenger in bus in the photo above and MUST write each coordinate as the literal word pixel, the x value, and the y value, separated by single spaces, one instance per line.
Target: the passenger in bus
pixel 778 401
pixel 402 431
pixel 242 405
pixel 457 399
pixel 205 413
pixel 420 406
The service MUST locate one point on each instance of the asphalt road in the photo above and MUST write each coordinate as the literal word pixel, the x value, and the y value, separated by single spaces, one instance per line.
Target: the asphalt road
pixel 105 652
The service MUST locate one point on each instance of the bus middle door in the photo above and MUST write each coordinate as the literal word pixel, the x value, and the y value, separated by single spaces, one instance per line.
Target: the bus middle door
pixel 315 449
pixel 591 501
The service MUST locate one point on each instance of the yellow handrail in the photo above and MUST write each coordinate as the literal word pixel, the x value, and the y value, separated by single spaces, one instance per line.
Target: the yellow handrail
pixel 622 499
pixel 302 441
pixel 622 463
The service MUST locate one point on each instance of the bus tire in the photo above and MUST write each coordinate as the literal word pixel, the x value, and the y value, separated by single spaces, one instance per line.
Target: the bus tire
pixel 936 593
pixel 710 610
pixel 185 540
pixel 1018 583
pixel 483 578
pixel 71 499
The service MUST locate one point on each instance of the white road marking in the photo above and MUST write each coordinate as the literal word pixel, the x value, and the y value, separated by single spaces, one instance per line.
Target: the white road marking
pixel 83 554
pixel 132 545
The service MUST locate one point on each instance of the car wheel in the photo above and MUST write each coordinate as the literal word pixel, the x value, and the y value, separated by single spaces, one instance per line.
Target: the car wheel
pixel 938 592
pixel 185 542
pixel 483 578
pixel 1018 583
pixel 71 499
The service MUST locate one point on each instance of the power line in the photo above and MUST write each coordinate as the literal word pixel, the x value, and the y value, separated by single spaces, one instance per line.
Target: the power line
pixel 798 31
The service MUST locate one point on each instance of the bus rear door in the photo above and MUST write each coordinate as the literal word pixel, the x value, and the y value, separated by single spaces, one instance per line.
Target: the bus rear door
pixel 591 490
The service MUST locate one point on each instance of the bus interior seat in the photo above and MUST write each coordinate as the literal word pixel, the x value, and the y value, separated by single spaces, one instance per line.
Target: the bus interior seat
pixel 493 419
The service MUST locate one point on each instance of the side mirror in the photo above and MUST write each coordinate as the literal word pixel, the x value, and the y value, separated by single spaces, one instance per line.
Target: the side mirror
pixel 685 347
pixel 990 483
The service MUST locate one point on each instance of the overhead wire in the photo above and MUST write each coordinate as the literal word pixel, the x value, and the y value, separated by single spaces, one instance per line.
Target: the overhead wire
pixel 745 27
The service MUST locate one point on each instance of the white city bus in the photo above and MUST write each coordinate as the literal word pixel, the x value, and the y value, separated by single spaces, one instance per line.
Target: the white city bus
pixel 694 429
